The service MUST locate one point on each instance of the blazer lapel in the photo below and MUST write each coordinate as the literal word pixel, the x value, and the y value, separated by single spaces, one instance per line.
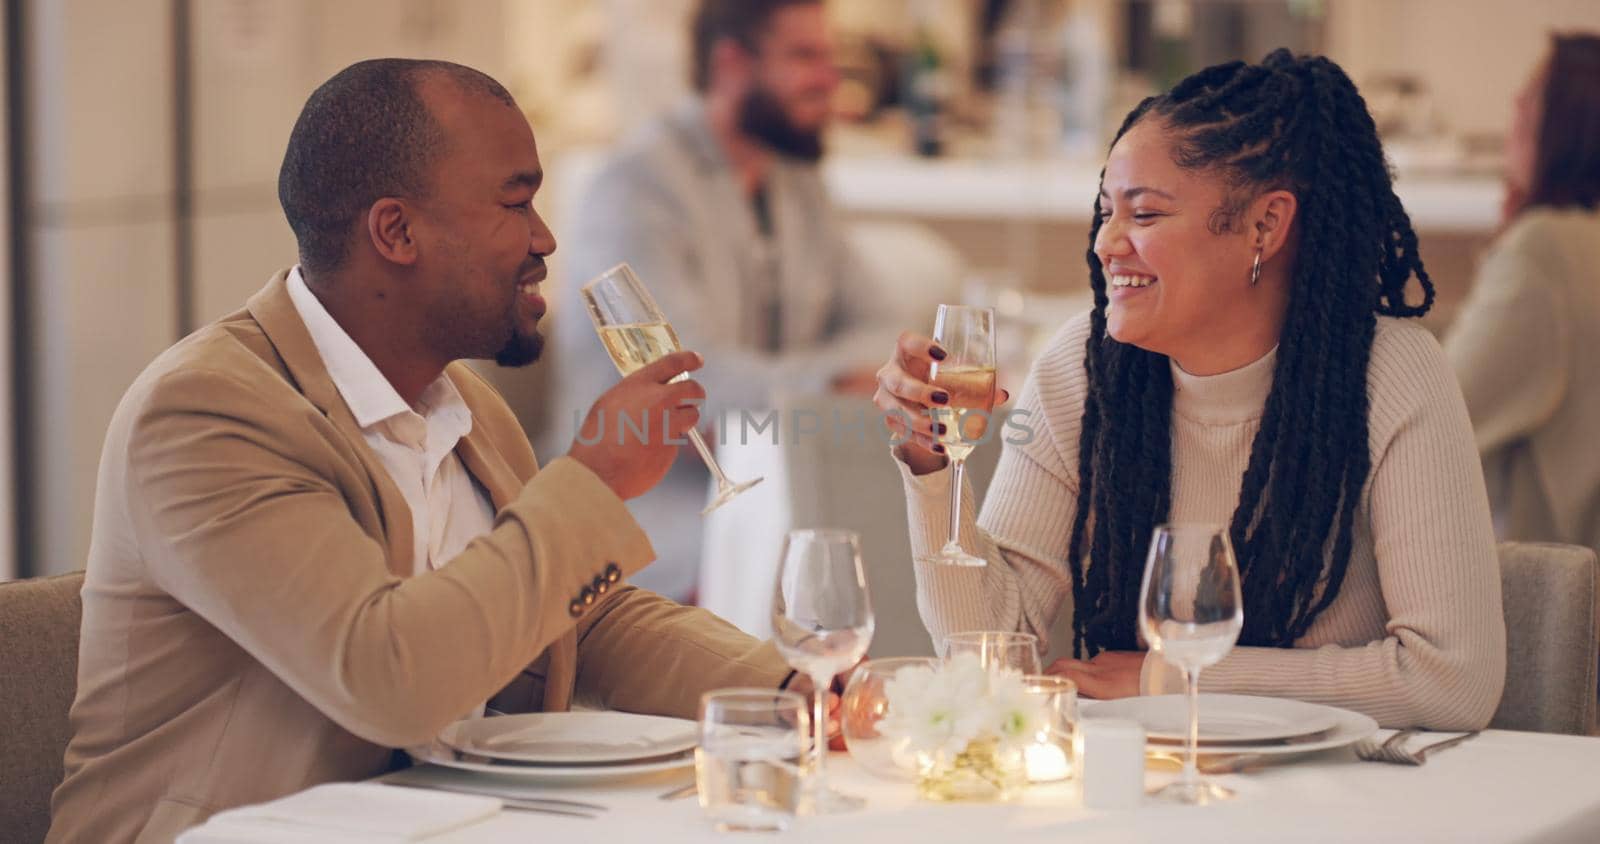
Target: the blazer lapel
pixel 275 312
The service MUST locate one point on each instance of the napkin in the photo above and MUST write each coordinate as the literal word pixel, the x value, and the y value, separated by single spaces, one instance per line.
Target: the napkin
pixel 348 813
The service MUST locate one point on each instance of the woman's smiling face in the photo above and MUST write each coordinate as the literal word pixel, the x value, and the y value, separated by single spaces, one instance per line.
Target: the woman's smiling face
pixel 1177 263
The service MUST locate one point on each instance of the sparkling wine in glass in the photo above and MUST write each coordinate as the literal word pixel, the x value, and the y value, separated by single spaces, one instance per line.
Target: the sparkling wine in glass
pixel 635 333
pixel 1191 612
pixel 822 622
pixel 967 374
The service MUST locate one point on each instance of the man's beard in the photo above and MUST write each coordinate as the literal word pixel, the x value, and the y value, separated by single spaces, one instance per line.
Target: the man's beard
pixel 762 117
pixel 521 349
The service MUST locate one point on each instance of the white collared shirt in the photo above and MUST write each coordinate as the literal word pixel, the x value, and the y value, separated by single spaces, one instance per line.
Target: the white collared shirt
pixel 449 508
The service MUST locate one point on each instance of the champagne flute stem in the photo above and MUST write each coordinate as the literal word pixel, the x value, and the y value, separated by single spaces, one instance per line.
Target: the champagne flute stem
pixel 1191 678
pixel 819 720
pixel 710 460
pixel 957 476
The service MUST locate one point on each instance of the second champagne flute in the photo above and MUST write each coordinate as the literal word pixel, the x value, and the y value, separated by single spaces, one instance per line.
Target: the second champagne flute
pixel 822 622
pixel 635 333
pixel 967 376
pixel 1191 612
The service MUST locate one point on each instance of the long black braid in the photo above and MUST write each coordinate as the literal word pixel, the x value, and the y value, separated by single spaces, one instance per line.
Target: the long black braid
pixel 1288 123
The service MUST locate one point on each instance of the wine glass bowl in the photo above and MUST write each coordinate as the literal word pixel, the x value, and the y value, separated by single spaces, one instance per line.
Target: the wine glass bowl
pixel 634 333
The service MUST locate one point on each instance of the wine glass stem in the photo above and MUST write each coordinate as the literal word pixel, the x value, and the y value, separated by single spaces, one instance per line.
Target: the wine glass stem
pixel 1191 679
pixel 819 718
pixel 711 461
pixel 957 474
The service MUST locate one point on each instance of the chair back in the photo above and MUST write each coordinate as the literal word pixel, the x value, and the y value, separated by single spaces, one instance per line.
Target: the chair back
pixel 1552 609
pixel 853 483
pixel 38 679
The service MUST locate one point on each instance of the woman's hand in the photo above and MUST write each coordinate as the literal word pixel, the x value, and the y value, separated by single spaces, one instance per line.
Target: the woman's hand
pixel 906 398
pixel 904 395
pixel 1111 674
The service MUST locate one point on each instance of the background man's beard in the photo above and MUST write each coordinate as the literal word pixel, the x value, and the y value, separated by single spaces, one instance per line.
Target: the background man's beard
pixel 521 349
pixel 762 117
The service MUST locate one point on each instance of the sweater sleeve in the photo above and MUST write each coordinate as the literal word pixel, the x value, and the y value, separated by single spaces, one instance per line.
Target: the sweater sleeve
pixel 1510 343
pixel 1026 520
pixel 1441 664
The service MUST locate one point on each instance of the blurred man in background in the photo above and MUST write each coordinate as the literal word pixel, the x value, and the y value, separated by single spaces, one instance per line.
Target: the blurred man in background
pixel 721 210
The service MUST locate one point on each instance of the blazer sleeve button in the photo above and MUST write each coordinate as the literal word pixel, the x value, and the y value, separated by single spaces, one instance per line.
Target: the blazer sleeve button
pixel 575 608
pixel 613 573
pixel 601 585
pixel 587 596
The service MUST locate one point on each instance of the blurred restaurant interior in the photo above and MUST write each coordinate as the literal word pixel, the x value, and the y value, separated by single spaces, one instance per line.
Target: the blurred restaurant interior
pixel 143 140
pixel 264 565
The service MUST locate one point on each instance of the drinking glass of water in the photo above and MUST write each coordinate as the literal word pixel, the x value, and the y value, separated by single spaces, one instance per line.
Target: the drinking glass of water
pixel 747 767
pixel 1191 612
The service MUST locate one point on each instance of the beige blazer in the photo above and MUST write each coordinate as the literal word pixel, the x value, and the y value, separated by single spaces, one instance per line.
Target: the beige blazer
pixel 250 625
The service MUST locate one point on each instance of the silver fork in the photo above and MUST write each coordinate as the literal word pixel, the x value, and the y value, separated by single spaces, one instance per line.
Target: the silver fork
pixel 1395 751
pixel 1388 751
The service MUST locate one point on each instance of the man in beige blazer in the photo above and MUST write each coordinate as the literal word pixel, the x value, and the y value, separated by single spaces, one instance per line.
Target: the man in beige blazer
pixel 264 610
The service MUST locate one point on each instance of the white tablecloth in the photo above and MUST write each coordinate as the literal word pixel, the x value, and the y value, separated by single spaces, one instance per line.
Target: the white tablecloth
pixel 1498 787
pixel 743 538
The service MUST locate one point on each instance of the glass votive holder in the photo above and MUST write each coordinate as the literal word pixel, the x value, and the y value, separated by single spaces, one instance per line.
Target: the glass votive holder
pixel 865 703
pixel 1050 755
pixel 747 767
pixel 997 650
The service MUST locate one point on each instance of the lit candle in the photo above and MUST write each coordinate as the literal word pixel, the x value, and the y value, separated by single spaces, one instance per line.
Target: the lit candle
pixel 1046 762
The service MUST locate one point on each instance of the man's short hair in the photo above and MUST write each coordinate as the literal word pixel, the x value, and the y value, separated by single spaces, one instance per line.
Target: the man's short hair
pixel 363 135
pixel 742 20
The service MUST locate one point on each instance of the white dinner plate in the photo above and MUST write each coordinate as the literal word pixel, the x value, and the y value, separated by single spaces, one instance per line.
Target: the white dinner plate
pixel 1233 720
pixel 440 754
pixel 573 738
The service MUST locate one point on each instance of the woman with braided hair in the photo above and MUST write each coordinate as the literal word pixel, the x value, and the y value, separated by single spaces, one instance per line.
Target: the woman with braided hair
pixel 1246 363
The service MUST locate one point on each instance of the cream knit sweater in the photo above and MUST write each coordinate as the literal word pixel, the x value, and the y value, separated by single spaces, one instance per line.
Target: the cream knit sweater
pixel 1416 636
pixel 1519 346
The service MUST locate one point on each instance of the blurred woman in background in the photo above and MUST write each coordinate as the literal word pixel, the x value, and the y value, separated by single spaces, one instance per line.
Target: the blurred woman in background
pixel 1533 315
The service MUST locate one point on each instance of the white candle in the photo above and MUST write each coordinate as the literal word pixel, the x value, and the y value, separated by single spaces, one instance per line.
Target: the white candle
pixel 1047 762
pixel 1110 762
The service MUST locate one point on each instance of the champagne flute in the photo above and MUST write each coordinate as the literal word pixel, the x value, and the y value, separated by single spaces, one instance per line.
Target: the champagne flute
pixel 822 623
pixel 967 374
pixel 635 333
pixel 1191 612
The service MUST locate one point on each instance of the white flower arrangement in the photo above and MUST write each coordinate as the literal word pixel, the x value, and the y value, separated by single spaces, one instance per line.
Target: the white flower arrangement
pixel 961 716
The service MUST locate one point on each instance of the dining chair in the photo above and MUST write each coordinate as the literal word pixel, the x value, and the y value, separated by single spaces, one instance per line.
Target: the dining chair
pixel 1552 613
pixel 852 482
pixel 38 678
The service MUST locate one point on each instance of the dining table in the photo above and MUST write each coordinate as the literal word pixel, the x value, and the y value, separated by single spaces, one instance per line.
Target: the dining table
pixel 1499 786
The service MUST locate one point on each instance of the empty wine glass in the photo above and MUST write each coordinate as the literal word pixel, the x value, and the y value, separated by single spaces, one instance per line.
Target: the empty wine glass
pixel 1190 612
pixel 822 623
pixel 967 376
pixel 635 333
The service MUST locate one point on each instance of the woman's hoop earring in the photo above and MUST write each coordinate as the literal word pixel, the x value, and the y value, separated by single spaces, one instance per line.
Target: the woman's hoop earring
pixel 1255 269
